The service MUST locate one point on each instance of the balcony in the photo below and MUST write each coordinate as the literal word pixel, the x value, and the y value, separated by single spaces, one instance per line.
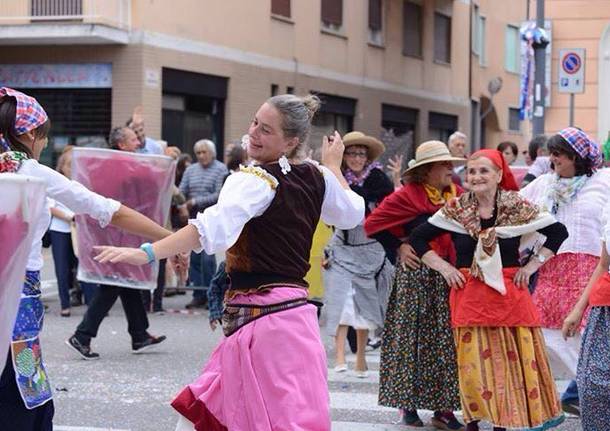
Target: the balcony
pixel 64 22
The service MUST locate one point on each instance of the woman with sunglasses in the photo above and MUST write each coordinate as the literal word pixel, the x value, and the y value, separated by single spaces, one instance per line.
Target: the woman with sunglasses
pixel 576 193
pixel 357 274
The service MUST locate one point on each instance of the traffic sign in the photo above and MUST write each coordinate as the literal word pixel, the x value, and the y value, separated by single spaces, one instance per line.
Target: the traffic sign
pixel 572 70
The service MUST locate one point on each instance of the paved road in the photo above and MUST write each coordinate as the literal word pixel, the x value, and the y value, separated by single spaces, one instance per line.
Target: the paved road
pixel 122 391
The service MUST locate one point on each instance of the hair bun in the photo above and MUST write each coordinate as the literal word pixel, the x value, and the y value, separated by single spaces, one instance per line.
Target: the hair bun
pixel 312 103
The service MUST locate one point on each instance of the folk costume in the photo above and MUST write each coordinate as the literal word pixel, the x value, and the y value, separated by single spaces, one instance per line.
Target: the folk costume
pixel 25 391
pixel 270 371
pixel 503 370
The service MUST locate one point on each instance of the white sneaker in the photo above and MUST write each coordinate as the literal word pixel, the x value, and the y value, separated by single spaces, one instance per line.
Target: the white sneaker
pixel 340 368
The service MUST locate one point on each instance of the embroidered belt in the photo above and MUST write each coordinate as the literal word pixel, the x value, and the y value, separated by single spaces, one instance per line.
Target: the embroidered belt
pixel 236 316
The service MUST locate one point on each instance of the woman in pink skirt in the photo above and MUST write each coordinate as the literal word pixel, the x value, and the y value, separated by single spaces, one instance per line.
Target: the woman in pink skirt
pixel 269 373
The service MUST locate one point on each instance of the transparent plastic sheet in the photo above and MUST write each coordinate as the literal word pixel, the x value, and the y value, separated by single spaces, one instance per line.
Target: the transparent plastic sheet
pixel 140 181
pixel 23 200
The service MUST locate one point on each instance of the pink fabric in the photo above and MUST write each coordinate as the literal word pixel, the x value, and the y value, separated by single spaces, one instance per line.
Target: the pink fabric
pixel 136 182
pixel 561 281
pixel 13 231
pixel 269 375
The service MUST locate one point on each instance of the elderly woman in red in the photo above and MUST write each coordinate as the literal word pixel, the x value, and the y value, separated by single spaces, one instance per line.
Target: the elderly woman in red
pixel 503 370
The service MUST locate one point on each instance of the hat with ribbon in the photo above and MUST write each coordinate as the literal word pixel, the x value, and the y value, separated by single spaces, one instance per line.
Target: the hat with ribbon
pixel 430 152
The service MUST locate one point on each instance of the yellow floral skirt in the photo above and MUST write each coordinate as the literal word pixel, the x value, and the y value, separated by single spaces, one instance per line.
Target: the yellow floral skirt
pixel 505 377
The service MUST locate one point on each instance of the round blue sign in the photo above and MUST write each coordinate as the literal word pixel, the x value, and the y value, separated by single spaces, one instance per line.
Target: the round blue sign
pixel 571 63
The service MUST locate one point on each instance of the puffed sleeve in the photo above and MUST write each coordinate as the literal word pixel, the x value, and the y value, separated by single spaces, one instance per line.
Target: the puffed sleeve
pixel 72 194
pixel 341 208
pixel 246 194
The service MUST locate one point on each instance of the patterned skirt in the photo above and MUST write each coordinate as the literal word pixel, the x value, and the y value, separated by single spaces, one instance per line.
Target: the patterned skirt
pixel 594 371
pixel 418 367
pixel 505 378
pixel 560 283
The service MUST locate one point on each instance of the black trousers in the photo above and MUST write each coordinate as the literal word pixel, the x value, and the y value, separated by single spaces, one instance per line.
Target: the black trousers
pixel 13 413
pixel 106 296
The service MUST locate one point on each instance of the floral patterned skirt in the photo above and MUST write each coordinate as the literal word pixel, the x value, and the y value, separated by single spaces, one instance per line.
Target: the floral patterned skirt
pixel 418 368
pixel 594 371
pixel 560 283
pixel 505 378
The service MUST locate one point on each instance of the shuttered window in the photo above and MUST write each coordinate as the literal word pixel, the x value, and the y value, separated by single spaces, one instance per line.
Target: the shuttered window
pixel 56 7
pixel 332 12
pixel 280 7
pixel 412 29
pixel 375 15
pixel 442 38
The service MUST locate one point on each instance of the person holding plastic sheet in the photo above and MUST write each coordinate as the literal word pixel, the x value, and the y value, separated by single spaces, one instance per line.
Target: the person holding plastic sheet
pixel 137 190
pixel 593 373
pixel 270 371
pixel 576 193
pixel 25 392
pixel 503 369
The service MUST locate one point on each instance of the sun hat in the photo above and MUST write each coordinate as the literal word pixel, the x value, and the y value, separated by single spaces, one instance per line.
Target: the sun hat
pixel 430 152
pixel 375 146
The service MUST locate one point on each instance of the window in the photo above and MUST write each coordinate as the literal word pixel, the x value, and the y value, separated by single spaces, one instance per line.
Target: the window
pixel 376 22
pixel 482 41
pixel 441 126
pixel 442 38
pixel 56 8
pixel 512 49
pixel 336 113
pixel 475 30
pixel 514 120
pixel 274 89
pixel 280 7
pixel 289 90
pixel 332 14
pixel 412 29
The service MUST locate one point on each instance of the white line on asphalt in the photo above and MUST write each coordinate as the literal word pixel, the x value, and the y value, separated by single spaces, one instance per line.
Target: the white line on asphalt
pixel 69 428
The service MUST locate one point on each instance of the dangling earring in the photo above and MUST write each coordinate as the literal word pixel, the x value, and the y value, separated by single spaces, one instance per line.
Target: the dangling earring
pixel 245 140
pixel 284 164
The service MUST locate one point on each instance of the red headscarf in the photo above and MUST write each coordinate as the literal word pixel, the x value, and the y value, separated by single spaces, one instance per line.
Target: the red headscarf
pixel 508 180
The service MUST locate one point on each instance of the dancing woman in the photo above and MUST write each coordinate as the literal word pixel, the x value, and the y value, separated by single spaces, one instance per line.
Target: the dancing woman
pixel 270 371
pixel 503 370
pixel 25 392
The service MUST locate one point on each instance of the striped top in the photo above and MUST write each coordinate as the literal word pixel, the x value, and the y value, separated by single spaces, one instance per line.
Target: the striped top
pixel 203 184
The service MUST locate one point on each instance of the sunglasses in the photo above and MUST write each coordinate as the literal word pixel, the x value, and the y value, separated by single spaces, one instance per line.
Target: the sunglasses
pixel 361 154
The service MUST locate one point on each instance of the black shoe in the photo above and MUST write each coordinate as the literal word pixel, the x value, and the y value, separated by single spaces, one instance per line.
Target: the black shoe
pixel 197 303
pixel 572 407
pixel 446 421
pixel 81 349
pixel 147 344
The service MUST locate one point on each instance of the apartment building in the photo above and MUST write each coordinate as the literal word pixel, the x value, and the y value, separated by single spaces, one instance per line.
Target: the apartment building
pixel 404 70
pixel 581 24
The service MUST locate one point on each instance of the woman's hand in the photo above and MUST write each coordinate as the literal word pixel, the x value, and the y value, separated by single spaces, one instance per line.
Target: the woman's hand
pixel 522 277
pixel 454 278
pixel 395 168
pixel 133 256
pixel 572 323
pixel 407 257
pixel 332 151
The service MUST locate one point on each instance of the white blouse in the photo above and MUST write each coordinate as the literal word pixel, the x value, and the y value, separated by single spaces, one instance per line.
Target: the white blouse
pixel 582 216
pixel 70 193
pixel 245 196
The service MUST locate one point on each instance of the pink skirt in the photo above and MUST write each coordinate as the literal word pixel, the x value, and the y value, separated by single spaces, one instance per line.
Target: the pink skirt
pixel 269 375
pixel 561 281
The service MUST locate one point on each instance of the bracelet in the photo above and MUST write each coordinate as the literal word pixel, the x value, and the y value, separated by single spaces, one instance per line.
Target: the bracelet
pixel 148 249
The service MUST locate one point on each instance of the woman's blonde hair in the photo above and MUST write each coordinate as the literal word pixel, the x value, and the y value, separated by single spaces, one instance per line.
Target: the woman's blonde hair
pixel 63 158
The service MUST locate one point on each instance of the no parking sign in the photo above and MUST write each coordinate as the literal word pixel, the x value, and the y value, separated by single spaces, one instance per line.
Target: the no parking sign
pixel 572 70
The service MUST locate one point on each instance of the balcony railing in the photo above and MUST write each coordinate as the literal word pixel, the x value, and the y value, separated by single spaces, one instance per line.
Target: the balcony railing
pixel 113 13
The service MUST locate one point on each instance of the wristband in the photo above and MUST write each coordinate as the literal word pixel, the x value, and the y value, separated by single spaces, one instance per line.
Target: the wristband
pixel 148 249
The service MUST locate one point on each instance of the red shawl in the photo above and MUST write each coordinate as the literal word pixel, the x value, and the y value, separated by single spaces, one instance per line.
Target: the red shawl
pixel 403 206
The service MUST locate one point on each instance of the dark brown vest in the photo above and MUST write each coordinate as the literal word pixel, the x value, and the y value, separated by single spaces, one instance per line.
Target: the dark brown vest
pixel 275 247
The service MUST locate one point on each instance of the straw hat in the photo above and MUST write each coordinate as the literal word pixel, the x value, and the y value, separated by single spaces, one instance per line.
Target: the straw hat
pixel 374 146
pixel 430 152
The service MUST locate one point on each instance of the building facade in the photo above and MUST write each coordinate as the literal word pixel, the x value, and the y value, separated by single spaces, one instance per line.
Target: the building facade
pixel 404 70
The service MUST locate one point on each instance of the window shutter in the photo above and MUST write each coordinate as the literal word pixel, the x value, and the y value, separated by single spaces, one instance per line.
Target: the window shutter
pixel 442 38
pixel 280 7
pixel 332 12
pixel 412 29
pixel 375 14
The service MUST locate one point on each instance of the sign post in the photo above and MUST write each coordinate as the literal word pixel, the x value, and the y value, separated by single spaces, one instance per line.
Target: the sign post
pixel 572 74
